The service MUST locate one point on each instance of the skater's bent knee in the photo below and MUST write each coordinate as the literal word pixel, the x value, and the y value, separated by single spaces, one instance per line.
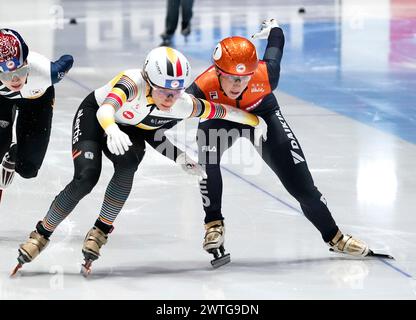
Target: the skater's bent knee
pixel 86 180
pixel 27 171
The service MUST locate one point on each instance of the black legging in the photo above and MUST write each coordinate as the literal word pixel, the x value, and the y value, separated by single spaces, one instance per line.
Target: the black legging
pixel 281 152
pixel 88 145
pixel 33 129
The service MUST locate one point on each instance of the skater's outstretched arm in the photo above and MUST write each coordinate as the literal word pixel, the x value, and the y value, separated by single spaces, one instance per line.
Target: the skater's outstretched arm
pixel 204 109
pixel 271 31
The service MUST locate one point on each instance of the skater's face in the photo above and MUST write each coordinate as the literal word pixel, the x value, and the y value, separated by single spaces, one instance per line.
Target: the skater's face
pixel 165 98
pixel 232 85
pixel 15 80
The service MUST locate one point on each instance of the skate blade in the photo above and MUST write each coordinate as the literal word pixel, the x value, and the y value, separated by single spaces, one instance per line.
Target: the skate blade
pixel 216 263
pixel 19 265
pixel 21 260
pixel 369 254
pixel 86 268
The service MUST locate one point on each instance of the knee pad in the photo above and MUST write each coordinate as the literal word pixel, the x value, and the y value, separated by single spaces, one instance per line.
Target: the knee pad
pixel 85 181
pixel 129 162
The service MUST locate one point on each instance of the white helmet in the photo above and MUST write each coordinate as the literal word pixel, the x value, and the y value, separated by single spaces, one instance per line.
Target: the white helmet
pixel 167 68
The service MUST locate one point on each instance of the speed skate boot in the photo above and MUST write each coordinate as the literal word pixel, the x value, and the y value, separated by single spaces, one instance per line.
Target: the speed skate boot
pixel 7 168
pixel 93 242
pixel 353 246
pixel 30 249
pixel 214 243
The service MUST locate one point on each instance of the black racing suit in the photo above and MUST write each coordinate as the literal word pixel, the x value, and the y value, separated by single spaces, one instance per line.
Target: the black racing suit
pixel 281 151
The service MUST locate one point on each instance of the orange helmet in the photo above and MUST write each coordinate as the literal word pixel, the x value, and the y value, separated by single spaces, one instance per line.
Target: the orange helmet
pixel 236 55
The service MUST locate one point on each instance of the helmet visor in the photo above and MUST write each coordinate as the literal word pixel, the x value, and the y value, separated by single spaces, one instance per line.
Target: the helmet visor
pixel 233 77
pixel 166 93
pixel 19 73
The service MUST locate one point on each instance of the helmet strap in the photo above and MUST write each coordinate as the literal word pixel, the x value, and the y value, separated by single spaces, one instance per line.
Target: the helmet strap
pixel 149 90
pixel 219 79
pixel 148 86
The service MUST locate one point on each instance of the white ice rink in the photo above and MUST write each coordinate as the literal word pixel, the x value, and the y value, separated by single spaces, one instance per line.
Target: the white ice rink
pixel 366 173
